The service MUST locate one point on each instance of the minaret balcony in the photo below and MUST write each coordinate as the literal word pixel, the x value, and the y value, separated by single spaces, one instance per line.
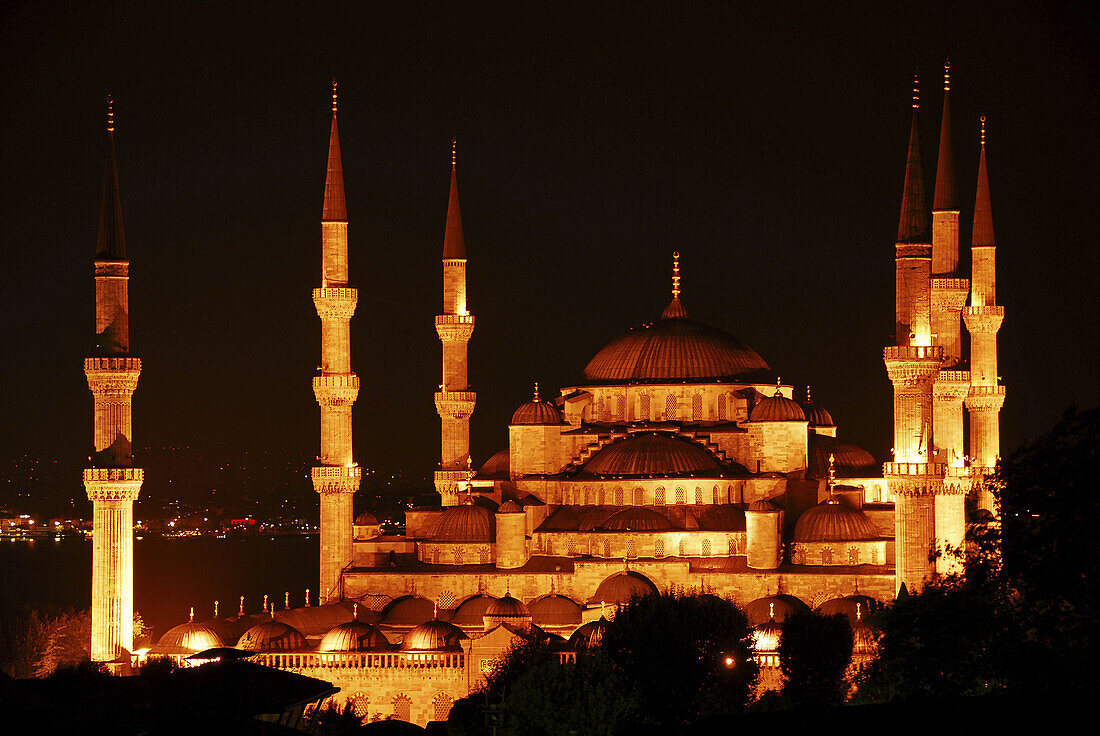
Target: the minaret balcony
pixel 455 404
pixel 454 327
pixel 950 294
pixel 985 398
pixel 983 319
pixel 912 365
pixel 335 303
pixel 113 484
pixel 336 478
pixel 336 389
pixel 112 269
pixel 951 386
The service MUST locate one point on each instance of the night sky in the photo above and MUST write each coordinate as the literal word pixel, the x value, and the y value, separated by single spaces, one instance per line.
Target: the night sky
pixel 765 144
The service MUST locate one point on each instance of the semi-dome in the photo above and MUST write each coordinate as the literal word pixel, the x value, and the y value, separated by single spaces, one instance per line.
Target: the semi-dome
pixel 465 523
pixel 272 636
pixel 555 610
pixel 409 610
pixel 354 636
pixel 497 467
pixel 675 349
pixel 637 519
pixel 589 635
pixel 472 610
pixel 777 408
pixel 832 521
pixel 433 636
pixel 366 519
pixel 188 638
pixel 621 587
pixel 777 606
pixel 654 455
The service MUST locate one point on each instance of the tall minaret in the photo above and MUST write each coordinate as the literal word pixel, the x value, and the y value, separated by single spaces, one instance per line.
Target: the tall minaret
pixel 112 482
pixel 454 401
pixel 912 364
pixel 983 319
pixel 336 476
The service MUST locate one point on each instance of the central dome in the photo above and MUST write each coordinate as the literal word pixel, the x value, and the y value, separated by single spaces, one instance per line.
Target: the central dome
pixel 654 455
pixel 675 349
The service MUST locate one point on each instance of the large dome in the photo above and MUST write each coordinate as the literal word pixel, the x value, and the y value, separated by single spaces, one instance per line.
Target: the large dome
pixel 465 523
pixel 831 521
pixel 675 349
pixel 654 455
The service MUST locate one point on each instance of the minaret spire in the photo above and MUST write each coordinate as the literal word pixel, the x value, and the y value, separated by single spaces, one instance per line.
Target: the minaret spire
pixel 946 196
pixel 983 209
pixel 454 245
pixel 335 209
pixel 913 226
pixel 111 239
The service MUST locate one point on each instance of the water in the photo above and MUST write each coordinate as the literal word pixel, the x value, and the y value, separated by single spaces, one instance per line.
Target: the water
pixel 170 575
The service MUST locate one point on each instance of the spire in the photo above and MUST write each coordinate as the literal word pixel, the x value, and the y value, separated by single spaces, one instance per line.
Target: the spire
pixel 454 245
pixel 913 227
pixel 983 210
pixel 110 242
pixel 535 398
pixel 675 310
pixel 335 209
pixel 946 196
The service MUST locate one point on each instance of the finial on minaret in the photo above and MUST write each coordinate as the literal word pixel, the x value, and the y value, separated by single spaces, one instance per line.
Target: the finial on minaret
pixel 916 89
pixel 535 397
pixel 454 153
pixel 265 602
pixel 675 274
pixel 286 600
pixel 947 75
pixel 355 610
pixel 110 114
pixel 771 610
pixel 240 611
pixel 215 609
pixel 191 618
pixel 307 597
pixel 983 130
pixel 334 95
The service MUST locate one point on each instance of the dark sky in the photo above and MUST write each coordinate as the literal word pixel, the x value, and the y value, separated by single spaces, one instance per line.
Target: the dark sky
pixel 766 144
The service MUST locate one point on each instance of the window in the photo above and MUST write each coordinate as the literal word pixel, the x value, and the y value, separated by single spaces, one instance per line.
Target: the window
pixel 874 555
pixel 458 556
pixel 618 496
pixel 698 495
pixel 441 706
pixel 603 497
pixel 826 556
pixel 639 496
pixel 571 545
pixel 732 546
pixel 680 496
pixel 659 496
pixel 706 548
pixel 658 548
pixel 549 546
pixel 853 555
pixel 670 408
pixel 683 549
pixel 402 707
pixel 722 408
pixel 631 548
pixel 715 495
pixel 484 556
pixel 607 548
pixel 622 408
pixel 644 410
pixel 360 704
pixel 697 408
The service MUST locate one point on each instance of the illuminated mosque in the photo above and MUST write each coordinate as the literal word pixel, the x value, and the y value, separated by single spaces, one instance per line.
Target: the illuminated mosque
pixel 679 461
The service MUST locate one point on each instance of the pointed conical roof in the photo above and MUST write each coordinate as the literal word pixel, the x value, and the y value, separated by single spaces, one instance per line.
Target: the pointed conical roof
pixel 454 245
pixel 111 239
pixel 335 209
pixel 983 209
pixel 913 226
pixel 946 196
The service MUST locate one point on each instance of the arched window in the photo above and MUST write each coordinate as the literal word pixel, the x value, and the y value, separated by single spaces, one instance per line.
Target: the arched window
pixel 441 706
pixel 706 548
pixel 605 409
pixel 722 408
pixel 853 555
pixel 631 548
pixel 618 496
pixel 732 546
pixel 659 496
pixel 458 555
pixel 680 496
pixel 571 545
pixel 402 707
pixel 697 408
pixel 603 497
pixel 874 555
pixel 826 556
pixel 607 548
pixel 639 497
pixel 589 497
pixel 658 548
pixel 670 408
pixel 698 495
pixel 622 408
pixel 549 546
pixel 715 495
pixel 644 410
pixel 683 548
pixel 435 555
pixel 360 704
pixel 484 555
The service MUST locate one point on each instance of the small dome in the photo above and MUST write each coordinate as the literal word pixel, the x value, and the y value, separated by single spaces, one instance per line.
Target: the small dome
pixel 555 610
pixel 409 610
pixel 314 620
pixel 815 413
pixel 637 519
pixel 472 610
pixel 537 412
pixel 507 608
pixel 272 636
pixel 763 506
pixel 227 631
pixel 366 519
pixel 497 467
pixel 851 457
pixel 465 523
pixel 832 521
pixel 853 607
pixel 188 638
pixel 654 455
pixel 510 507
pixel 765 637
pixel 433 636
pixel 777 408
pixel 354 636
pixel 778 606
pixel 589 635
pixel 621 587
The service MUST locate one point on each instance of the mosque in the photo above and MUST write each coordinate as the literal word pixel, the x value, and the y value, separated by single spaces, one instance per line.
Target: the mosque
pixel 679 461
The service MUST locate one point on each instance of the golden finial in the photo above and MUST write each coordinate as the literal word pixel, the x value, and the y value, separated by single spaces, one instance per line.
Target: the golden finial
pixel 435 611
pixel 983 131
pixel 859 611
pixel 355 610
pixel 307 597
pixel 809 396
pixel 191 618
pixel 675 274
pixel 916 89
pixel 454 153
pixel 778 386
pixel 240 612
pixel 947 75
pixel 265 602
pixel 832 472
pixel 215 609
pixel 334 95
pixel 110 114
pixel 535 398
pixel 771 610
pixel 286 600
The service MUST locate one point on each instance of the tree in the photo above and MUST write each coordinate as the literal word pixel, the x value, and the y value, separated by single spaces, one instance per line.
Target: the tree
pixel 814 654
pixel 686 657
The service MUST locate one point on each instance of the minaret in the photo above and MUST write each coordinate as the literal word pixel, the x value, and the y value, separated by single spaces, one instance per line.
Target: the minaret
pixel 336 476
pixel 983 319
pixel 112 481
pixel 912 364
pixel 454 401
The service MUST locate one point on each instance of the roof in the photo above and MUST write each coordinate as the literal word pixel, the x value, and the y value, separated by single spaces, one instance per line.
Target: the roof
pixel 832 521
pixel 816 414
pixel 507 608
pixel 272 636
pixel 187 638
pixel 913 225
pixel 777 408
pixel 647 455
pixel 763 506
pixel 465 523
pixel 637 519
pixel 314 620
pixel 674 349
pixel 433 636
pixel 537 412
pixel 409 610
pixel 366 519
pixel 354 636
pixel 497 467
pixel 555 610
pixel 334 208
pixel 454 244
pixel 589 635
pixel 850 461
pixel 777 606
pixel 472 610
pixel 510 507
pixel 621 587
